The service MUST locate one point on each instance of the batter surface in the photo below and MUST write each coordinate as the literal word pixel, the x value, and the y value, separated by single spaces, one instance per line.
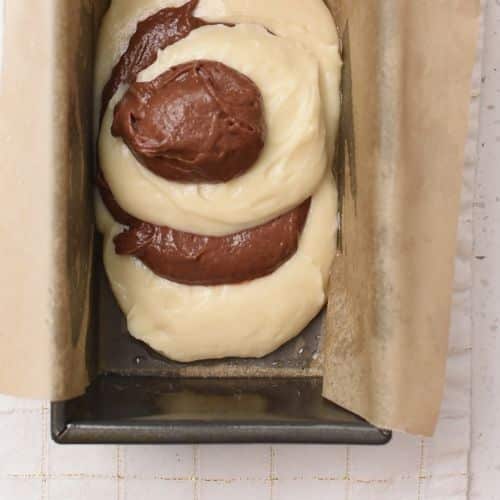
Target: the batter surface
pixel 216 133
pixel 189 323
pixel 290 166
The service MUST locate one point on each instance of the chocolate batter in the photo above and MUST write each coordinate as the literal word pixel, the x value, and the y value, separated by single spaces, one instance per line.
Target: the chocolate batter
pixel 194 259
pixel 219 135
pixel 198 122
pixel 200 260
pixel 155 33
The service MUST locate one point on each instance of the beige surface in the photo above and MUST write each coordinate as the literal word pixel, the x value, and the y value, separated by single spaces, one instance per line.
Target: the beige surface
pixel 188 323
pixel 26 191
pixel 32 233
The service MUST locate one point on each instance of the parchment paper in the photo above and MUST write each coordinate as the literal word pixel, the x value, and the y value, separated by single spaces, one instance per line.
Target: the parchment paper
pixel 407 81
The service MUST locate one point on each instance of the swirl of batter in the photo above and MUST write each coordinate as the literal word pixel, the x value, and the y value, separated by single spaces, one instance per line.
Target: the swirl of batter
pixel 192 259
pixel 250 319
pixel 289 168
pixel 157 31
pixel 217 123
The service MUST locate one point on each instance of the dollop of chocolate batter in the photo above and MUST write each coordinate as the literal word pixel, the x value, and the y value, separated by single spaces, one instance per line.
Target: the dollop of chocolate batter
pixel 201 121
pixel 235 106
pixel 193 259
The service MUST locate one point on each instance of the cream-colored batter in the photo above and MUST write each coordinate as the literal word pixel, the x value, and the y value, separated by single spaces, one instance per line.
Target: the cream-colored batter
pixel 287 18
pixel 188 323
pixel 298 73
pixel 306 21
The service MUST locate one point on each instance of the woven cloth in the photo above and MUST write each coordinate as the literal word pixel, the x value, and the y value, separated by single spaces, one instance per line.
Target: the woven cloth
pixel 32 467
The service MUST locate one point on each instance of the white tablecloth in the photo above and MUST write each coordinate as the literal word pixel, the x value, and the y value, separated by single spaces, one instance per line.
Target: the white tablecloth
pixel 485 456
pixel 449 466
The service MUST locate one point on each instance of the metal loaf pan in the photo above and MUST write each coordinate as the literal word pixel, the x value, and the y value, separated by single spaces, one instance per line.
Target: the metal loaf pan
pixel 138 397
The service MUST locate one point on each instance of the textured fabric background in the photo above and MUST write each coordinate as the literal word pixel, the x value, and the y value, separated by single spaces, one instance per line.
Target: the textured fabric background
pixel 32 467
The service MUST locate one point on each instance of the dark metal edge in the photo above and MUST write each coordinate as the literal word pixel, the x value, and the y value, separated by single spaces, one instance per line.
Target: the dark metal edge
pixel 136 410
pixel 196 432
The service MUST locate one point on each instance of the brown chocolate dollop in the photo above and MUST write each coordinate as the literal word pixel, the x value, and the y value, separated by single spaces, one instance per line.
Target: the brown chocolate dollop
pixel 193 259
pixel 198 122
pixel 155 33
